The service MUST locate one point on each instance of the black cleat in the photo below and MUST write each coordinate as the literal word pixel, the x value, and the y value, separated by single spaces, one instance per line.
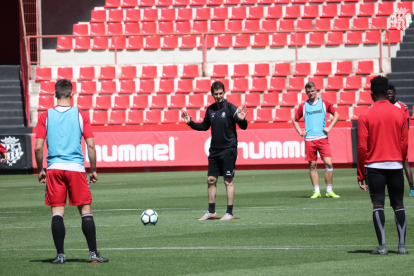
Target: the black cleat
pixel 380 250
pixel 59 260
pixel 402 249
pixel 97 258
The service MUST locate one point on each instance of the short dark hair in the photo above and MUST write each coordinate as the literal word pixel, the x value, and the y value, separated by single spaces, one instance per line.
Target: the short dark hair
pixel 217 85
pixel 63 88
pixel 392 87
pixel 309 85
pixel 379 85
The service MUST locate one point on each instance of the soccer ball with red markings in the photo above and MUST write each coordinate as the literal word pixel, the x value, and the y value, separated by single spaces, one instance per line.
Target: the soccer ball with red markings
pixel 149 217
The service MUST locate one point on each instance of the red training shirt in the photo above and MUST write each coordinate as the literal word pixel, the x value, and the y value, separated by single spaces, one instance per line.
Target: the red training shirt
pixel 2 149
pixel 403 107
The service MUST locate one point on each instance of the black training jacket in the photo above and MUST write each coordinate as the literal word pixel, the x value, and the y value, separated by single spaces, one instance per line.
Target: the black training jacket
pixel 223 121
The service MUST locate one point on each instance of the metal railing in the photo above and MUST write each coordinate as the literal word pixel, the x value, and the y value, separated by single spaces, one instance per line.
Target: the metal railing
pixel 25 63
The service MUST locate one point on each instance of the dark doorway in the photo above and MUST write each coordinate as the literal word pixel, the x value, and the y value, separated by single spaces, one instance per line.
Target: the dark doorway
pixel 9 32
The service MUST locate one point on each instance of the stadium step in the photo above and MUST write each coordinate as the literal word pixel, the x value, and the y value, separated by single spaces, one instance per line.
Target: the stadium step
pixel 13 122
pixel 408 38
pixel 11 90
pixel 9 72
pixel 11 113
pixel 396 76
pixel 9 83
pixel 405 64
pixel 12 98
pixel 405 53
pixel 407 45
pixel 403 83
pixel 10 105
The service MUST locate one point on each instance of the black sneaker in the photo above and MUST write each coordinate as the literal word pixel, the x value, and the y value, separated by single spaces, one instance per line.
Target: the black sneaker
pixel 59 260
pixel 380 250
pixel 402 249
pixel 97 258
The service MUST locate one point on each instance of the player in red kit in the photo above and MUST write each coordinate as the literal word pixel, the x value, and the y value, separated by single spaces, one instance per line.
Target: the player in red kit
pixel 392 93
pixel 382 149
pixel 3 154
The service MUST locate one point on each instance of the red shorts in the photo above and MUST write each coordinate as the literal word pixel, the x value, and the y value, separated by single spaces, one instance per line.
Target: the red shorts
pixel 58 182
pixel 312 148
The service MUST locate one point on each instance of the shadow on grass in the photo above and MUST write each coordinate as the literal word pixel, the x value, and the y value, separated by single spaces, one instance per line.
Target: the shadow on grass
pixel 367 251
pixel 66 260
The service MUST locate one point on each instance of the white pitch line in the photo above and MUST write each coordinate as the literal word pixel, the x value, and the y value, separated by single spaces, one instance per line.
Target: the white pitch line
pixel 15 212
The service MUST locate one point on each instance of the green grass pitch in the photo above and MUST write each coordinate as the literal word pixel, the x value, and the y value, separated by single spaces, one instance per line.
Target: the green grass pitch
pixel 278 230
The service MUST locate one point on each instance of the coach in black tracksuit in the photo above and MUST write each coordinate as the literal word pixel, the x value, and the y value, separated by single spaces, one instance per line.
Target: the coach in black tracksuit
pixel 222 117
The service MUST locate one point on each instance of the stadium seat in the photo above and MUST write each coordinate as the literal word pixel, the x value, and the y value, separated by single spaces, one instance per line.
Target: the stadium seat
pixel 149 15
pixel 198 2
pixel 210 101
pixel 261 40
pixel 385 8
pixel 215 2
pixel 274 12
pixel 316 39
pixel 140 102
pixel 98 16
pixel 80 29
pixel 165 27
pixel 112 3
pixel 240 85
pixel 203 86
pixel 232 2
pixel 88 87
pixel 277 84
pixel 64 43
pixel 100 43
pixel 107 73
pixel 283 115
pixel 279 40
pixel 259 84
pixel 99 118
pixel 234 98
pixel 379 23
pixel 118 117
pixel 347 10
pixel 43 74
pixel 220 13
pixel 149 28
pixel 115 16
pixel 166 86
pixel 183 27
pixel 167 15
pixel 304 25
pixel 353 82
pixel 406 5
pixel 149 72
pixel 169 72
pixel 330 11
pixel 368 81
pixel 84 102
pixel 252 26
pixel 302 69
pixel 132 15
pixel 192 113
pixel 127 87
pixel 121 102
pixel 159 101
pixel 252 99
pixel 146 3
pixel 129 3
pixel 103 102
pixel 220 71
pixel 296 84
pixel 46 102
pixel 86 73
pixel 264 115
pixel 234 26
pixel 395 36
pixel 248 2
pixel 200 27
pixel 135 42
pixel 97 29
pixel 341 23
pixel 365 67
pixel 372 37
pixel 311 11
pixel 108 87
pixel 347 98
pixel 365 98
pixel 224 41
pixel 152 117
pixel 366 9
pixel 217 26
pixel 188 42
pixel 119 42
pixel 322 24
pixel 360 23
pixel 270 99
pixel 202 14
pixel 343 112
pixel 286 25
pixel 269 25
pixel 178 101
pixel 135 117
pixel 226 83
pixel 241 70
pixel 292 12
pixel 238 13
pixel 282 69
pixel 195 101
pixel 261 70
pixel 330 96
pixel 128 72
pixel 172 116
pixel 343 68
pixel 357 111
pixel 47 88
pixel 255 12
pixel 184 14
pixel 323 68
pixel 335 83
pixel 242 41
pixel 65 73
pixel 209 41
pixel 190 72
pixel 353 37
pixel 318 81
pixel 146 86
pixel 299 39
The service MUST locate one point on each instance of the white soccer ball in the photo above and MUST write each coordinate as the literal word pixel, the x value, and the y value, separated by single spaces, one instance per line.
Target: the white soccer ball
pixel 149 217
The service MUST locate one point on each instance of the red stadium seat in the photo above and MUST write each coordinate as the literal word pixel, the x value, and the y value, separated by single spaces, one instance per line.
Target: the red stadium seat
pixel 203 86
pixel 210 101
pixel 235 26
pixel 181 2
pixel 261 70
pixel 279 40
pixel 203 14
pixel 330 96
pixel 119 42
pixel 209 41
pixel 45 103
pixel 341 23
pixel 292 12
pixel 268 2
pixel 165 27
pixel 183 27
pixel 335 83
pixel 226 83
pixel 214 2
pixel 164 3
pixel 190 72
pixel 302 69
pixel 366 9
pixel 368 81
pixel 365 98
pixel 240 85
pixel 252 26
pixel 304 25
pixel 286 25
pixel 167 15
pixel 282 69
pixel 188 42
pixel 128 72
pixel 159 101
pixel 115 16
pixel 146 3
pixel 353 82
pixel 99 118
pixel 135 42
pixel 360 23
pixel 259 84
pixel 100 43
pixel 318 81
pixel 283 115
pixel 395 36
pixel 379 22
pixel 335 38
pixel 47 88
pixel 343 112
pixel 322 24
pixel 234 98
pixel 238 13
pixel 140 102
pixel 256 12
pixel 127 87
pixel 84 102
pixel 264 115
pixel 372 37
pixel 177 101
pixel 241 70
pixel 192 113
pixel 299 39
pixel 98 16
pixel 112 3
pixel 169 72
pixel 86 73
pixel 224 41
pixel 198 2
pixel 195 101
pixel 184 14
pixel 323 68
pixel 385 8
pixel 274 12
pixel 107 73
pixel 97 29
pixel 277 84
pixel 149 28
pixel 103 102
pixel 248 2
pixel 330 11
pixel 129 3
pixel 220 13
pixel 406 5
pixel 146 86
pixel 217 26
pixel 64 43
pixel 65 73
pixel 172 116
pixel 347 10
pixel 270 99
pixel 135 117
pixel 166 86
pixel 117 117
pixel 261 40
pixel 220 71
pixel 269 25
pixel 365 67
pixel 133 15
pixel 296 84
pixel 200 27
pixel 80 29
pixel 149 15
pixel 311 11
pixel 357 111
pixel 149 72
pixel 347 98
pixel 108 87
pixel 43 74
pixel 252 99
pixel 343 68
pixel 231 2
pixel 121 102
pixel 316 39
pixel 152 117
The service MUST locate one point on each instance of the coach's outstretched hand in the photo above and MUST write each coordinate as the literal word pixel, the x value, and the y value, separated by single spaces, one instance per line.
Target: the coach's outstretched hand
pixel 93 177
pixel 3 158
pixel 42 176
pixel 362 185
pixel 242 113
pixel 186 118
